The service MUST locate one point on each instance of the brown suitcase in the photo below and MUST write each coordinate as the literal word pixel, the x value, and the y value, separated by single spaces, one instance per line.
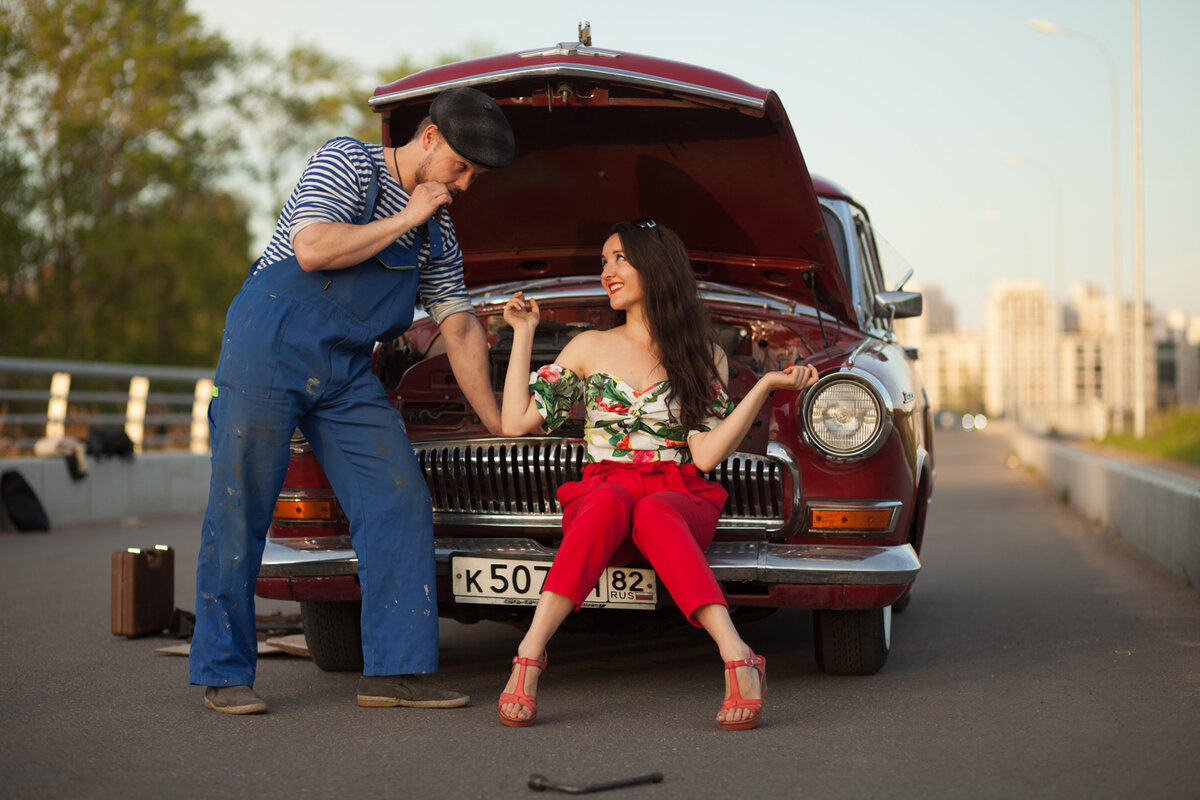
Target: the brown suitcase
pixel 143 590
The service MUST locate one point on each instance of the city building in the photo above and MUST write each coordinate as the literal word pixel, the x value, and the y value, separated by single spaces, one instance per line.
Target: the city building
pixel 1068 369
pixel 1021 329
pixel 1177 339
pixel 951 362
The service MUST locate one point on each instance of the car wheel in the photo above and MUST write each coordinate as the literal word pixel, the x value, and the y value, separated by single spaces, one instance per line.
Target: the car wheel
pixel 333 635
pixel 852 642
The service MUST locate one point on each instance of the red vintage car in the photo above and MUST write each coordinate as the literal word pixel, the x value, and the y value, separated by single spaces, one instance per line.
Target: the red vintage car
pixel 828 492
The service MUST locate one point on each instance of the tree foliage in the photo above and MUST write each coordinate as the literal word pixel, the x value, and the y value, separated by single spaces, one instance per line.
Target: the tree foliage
pixel 102 103
pixel 138 153
pixel 285 120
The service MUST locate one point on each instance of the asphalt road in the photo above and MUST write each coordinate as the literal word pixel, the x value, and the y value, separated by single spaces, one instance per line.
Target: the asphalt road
pixel 1040 657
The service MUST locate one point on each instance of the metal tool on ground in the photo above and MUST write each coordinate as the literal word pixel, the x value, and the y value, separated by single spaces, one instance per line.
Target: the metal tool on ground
pixel 541 783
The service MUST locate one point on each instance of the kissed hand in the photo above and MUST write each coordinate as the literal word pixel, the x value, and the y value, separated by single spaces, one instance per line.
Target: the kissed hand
pixel 793 378
pixel 520 313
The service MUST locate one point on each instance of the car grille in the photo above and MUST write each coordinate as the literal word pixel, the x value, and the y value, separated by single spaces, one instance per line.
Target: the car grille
pixel 512 483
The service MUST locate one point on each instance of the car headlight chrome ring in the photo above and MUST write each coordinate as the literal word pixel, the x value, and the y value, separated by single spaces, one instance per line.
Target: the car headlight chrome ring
pixel 846 415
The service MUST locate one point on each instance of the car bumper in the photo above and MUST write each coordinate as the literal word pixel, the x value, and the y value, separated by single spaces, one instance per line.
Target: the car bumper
pixel 758 562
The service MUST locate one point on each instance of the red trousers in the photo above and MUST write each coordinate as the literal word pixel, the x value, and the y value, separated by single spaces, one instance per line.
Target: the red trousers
pixel 620 512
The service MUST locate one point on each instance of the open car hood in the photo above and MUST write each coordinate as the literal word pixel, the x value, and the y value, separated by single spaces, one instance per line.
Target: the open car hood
pixel 604 136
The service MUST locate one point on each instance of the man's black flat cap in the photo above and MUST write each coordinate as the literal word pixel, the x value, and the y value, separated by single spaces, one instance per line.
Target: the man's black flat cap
pixel 474 126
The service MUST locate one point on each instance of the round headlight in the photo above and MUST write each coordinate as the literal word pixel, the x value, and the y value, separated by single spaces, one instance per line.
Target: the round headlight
pixel 845 417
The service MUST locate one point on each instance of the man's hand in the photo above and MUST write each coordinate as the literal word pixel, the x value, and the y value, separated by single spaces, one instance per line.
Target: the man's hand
pixel 425 201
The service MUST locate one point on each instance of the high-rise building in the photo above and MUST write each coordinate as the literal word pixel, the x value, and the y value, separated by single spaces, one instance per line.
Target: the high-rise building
pixel 1049 367
pixel 1020 330
pixel 951 362
pixel 1178 360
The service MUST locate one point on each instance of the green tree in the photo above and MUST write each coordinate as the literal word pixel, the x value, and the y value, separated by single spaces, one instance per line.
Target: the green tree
pixel 292 104
pixel 298 101
pixel 137 149
pixel 105 167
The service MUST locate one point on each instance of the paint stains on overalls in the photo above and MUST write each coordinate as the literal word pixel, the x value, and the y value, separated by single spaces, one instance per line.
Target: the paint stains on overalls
pixel 297 353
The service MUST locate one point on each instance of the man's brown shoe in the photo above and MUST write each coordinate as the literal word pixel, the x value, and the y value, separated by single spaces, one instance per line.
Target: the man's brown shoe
pixel 410 691
pixel 234 700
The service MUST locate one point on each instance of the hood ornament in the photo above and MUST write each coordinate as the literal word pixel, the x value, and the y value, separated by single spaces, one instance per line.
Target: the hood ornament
pixel 583 47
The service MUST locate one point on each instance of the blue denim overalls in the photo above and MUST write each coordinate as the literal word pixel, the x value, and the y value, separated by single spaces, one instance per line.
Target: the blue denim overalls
pixel 297 353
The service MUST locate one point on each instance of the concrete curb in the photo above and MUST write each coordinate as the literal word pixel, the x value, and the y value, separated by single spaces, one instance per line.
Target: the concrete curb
pixel 1155 510
pixel 151 484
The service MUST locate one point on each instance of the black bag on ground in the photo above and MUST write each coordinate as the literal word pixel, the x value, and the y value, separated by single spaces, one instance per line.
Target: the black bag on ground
pixel 20 505
pixel 105 442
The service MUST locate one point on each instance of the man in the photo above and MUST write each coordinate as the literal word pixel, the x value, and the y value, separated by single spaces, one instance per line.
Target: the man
pixel 364 231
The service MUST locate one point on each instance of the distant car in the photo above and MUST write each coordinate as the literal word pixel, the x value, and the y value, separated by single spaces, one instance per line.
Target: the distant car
pixel 828 492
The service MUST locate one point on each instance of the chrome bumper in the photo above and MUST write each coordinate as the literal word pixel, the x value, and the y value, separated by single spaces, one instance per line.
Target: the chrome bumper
pixel 787 564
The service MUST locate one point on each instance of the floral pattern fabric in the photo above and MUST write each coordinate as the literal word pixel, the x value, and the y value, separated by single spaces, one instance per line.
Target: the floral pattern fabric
pixel 622 424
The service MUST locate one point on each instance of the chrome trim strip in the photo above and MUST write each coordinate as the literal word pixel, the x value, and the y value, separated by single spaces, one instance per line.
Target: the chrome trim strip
pixel 570 49
pixel 570 70
pixel 288 558
pixel 835 503
pixel 792 564
pixel 582 287
pixel 579 287
pixel 785 564
pixel 785 456
pixel 306 494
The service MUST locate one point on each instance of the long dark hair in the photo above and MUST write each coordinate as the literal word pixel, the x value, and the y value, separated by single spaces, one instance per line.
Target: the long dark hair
pixel 679 322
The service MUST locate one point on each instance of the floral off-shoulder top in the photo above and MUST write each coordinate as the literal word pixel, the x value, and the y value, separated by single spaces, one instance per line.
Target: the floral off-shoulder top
pixel 622 424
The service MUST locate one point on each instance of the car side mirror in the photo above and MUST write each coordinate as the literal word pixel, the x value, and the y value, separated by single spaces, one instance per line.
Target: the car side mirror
pixel 898 305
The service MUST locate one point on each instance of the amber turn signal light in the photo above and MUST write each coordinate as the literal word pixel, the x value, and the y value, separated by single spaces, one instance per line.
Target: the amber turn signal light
pixel 859 520
pixel 324 510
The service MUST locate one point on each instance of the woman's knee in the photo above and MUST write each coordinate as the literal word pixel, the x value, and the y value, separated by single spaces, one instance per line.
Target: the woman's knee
pixel 670 516
pixel 604 501
pixel 655 510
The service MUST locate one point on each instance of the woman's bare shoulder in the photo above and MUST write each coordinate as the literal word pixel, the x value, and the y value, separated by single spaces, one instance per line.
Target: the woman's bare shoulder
pixel 593 351
pixel 579 352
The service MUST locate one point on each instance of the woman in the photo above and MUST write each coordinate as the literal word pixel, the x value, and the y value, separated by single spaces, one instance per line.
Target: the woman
pixel 655 398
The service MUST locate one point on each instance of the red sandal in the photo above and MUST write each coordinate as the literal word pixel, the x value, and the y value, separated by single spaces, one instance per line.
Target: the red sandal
pixel 735 699
pixel 519 696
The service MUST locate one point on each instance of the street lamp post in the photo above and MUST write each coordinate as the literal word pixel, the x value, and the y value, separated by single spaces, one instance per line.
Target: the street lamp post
pixel 1055 310
pixel 1118 380
pixel 1139 309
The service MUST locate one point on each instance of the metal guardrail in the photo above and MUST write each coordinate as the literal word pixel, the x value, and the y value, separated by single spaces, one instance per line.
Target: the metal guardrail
pixel 46 399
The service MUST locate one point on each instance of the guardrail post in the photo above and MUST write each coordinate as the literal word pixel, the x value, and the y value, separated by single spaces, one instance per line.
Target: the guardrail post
pixel 135 411
pixel 203 396
pixel 56 411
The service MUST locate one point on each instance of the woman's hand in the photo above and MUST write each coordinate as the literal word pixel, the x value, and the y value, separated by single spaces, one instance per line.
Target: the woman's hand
pixel 792 378
pixel 710 448
pixel 520 313
pixel 519 414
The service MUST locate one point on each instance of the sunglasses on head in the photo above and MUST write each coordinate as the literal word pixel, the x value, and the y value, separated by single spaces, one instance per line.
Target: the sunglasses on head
pixel 648 224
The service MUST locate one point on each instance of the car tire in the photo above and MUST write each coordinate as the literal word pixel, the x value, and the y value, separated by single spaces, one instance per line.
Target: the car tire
pixel 333 634
pixel 853 642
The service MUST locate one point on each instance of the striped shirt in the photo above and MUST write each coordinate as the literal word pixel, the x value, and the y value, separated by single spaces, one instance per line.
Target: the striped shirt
pixel 333 188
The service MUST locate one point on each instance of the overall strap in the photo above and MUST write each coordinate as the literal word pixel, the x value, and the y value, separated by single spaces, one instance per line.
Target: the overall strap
pixel 372 199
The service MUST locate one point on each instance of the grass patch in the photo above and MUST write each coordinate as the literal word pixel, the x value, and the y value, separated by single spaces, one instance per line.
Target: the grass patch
pixel 1174 435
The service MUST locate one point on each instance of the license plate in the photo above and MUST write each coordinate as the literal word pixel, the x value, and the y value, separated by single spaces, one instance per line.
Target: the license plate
pixel 518 582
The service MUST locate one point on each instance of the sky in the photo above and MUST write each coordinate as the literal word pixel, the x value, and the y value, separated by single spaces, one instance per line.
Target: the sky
pixel 911 106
